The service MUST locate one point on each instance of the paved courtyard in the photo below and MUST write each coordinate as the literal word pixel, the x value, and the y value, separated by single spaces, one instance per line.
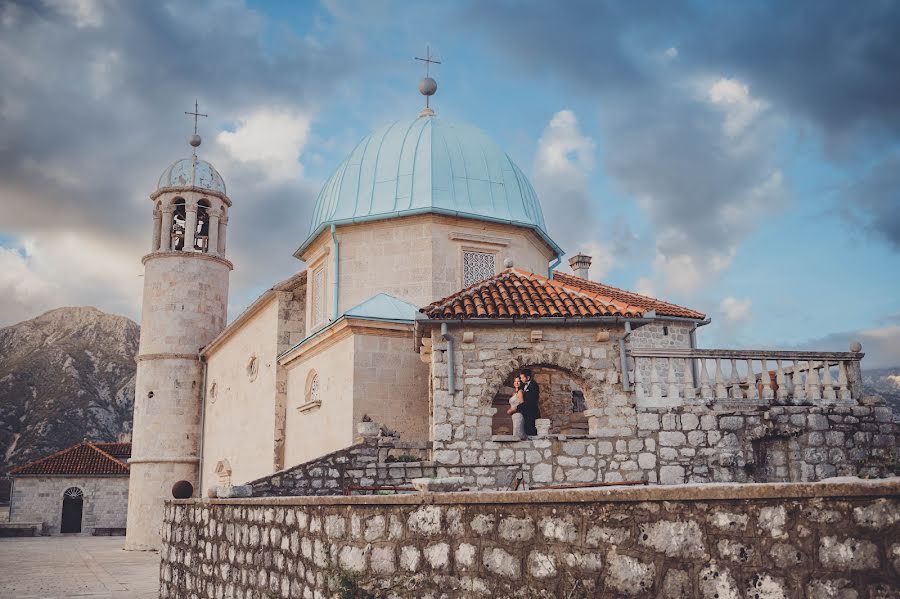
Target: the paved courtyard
pixel 76 567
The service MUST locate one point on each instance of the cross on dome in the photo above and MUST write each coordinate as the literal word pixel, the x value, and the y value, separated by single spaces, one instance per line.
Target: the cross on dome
pixel 195 140
pixel 427 86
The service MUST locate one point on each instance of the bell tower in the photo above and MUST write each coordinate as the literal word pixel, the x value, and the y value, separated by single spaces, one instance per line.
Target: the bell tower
pixel 184 308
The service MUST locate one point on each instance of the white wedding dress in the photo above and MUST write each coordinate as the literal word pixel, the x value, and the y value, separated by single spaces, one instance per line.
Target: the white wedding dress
pixel 518 419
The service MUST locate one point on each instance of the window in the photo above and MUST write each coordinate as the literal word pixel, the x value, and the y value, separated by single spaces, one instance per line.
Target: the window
pixel 318 296
pixel 313 394
pixel 477 266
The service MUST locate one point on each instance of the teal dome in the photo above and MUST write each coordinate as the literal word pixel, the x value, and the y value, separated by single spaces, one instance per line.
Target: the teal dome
pixel 427 165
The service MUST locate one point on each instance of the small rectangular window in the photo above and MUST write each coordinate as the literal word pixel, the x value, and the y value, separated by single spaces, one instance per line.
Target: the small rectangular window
pixel 477 266
pixel 318 296
pixel 665 331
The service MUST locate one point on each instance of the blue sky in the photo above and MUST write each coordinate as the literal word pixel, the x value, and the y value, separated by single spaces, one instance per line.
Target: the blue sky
pixel 738 158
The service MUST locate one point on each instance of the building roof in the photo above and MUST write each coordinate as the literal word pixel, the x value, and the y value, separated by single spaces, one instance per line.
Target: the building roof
pixel 191 172
pixel 661 307
pixel 84 459
pixel 516 293
pixel 427 165
pixel 383 307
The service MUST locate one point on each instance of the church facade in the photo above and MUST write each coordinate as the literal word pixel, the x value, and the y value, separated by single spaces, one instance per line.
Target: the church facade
pixel 429 281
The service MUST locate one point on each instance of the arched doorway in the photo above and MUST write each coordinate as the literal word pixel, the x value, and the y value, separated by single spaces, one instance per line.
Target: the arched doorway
pixel 561 401
pixel 72 507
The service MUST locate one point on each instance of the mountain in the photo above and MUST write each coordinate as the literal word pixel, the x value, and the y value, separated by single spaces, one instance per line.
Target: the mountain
pixel 65 376
pixel 886 383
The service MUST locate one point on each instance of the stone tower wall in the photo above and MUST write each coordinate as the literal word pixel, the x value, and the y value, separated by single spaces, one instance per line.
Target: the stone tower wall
pixel 185 305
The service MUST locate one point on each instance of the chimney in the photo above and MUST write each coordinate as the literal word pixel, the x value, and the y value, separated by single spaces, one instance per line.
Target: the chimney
pixel 580 264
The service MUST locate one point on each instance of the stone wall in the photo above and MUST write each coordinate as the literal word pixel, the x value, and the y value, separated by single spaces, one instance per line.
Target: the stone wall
pixel 40 499
pixel 725 542
pixel 374 461
pixel 714 442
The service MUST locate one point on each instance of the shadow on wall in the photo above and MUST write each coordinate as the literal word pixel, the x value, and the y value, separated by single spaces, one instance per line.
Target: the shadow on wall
pixel 561 400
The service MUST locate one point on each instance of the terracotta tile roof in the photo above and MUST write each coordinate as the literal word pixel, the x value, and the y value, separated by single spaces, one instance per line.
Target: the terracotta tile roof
pixel 84 459
pixel 647 303
pixel 516 293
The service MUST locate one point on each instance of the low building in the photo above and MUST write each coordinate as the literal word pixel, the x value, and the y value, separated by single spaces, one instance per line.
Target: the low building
pixel 82 489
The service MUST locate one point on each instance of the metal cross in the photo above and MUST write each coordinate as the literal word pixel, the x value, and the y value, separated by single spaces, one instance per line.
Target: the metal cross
pixel 427 60
pixel 196 114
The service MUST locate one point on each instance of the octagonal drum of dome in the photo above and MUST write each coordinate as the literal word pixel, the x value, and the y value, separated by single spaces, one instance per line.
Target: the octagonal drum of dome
pixel 427 165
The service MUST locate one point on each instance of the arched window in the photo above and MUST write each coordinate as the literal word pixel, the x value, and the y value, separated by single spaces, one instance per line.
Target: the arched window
pixel 312 393
pixel 178 222
pixel 201 238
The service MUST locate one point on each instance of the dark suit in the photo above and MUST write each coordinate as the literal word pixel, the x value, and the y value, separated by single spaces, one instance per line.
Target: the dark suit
pixel 530 408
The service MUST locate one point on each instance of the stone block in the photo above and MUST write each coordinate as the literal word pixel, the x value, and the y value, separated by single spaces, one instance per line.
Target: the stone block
pixel 671 475
pixel 848 554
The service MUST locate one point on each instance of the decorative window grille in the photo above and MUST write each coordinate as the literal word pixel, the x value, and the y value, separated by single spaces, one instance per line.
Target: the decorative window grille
pixel 477 266
pixel 313 389
pixel 318 307
pixel 74 493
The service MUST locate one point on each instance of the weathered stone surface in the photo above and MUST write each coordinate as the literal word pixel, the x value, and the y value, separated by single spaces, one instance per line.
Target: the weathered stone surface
pixel 731 541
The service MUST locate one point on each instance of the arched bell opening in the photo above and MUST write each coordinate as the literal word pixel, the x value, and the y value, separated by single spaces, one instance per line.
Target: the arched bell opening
pixel 201 239
pixel 72 510
pixel 179 220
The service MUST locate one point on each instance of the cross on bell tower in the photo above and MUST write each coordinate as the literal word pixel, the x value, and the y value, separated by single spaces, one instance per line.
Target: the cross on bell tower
pixel 427 86
pixel 195 140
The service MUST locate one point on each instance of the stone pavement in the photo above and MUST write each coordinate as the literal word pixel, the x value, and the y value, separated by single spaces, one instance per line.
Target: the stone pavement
pixel 75 566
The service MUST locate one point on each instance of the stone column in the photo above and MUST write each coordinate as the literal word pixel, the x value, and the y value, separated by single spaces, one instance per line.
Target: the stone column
pixel 212 245
pixel 223 227
pixel 190 227
pixel 157 226
pixel 165 233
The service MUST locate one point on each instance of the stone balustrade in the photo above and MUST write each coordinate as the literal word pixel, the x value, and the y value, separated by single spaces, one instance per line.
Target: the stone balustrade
pixel 669 376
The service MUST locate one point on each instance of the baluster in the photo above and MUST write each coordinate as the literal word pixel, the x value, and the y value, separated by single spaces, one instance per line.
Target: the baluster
pixel 780 380
pixel 690 392
pixel 767 392
pixel 655 389
pixel 827 383
pixel 752 392
pixel 721 392
pixel 705 390
pixel 639 391
pixel 813 389
pixel 797 378
pixel 672 391
pixel 735 382
pixel 842 381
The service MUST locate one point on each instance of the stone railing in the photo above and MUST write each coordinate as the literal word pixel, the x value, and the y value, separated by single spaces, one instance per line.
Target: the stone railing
pixel 684 376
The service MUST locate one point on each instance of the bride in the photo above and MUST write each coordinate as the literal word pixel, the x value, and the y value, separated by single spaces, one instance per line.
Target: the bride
pixel 517 399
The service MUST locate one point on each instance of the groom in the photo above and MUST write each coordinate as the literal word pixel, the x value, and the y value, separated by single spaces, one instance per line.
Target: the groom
pixel 530 408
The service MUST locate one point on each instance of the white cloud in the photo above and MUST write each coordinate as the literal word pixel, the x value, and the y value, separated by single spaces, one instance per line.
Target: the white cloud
pixel 564 154
pixel 85 13
pixel 271 140
pixel 733 97
pixel 645 286
pixel 670 53
pixel 67 269
pixel 736 311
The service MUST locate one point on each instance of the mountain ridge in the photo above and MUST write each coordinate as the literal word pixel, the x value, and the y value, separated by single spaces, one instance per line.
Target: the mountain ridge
pixel 65 376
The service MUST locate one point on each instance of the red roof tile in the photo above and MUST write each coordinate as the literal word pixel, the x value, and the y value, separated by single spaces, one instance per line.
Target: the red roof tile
pixel 647 303
pixel 84 459
pixel 519 294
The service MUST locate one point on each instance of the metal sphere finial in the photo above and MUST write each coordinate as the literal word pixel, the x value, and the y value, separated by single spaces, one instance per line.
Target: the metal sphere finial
pixel 194 140
pixel 427 86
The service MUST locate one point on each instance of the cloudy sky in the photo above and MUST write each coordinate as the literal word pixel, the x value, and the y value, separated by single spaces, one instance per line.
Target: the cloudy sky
pixel 739 158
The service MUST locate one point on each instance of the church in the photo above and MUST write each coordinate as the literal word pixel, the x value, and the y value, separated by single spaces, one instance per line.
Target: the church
pixel 429 281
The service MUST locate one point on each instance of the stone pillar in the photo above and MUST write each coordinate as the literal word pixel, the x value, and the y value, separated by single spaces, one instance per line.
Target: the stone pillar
pixel 190 226
pixel 165 234
pixel 157 226
pixel 223 227
pixel 212 245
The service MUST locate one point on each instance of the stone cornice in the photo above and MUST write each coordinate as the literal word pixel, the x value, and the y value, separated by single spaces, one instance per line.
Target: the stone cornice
pixel 177 254
pixel 147 357
pixel 188 189
pixel 342 329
